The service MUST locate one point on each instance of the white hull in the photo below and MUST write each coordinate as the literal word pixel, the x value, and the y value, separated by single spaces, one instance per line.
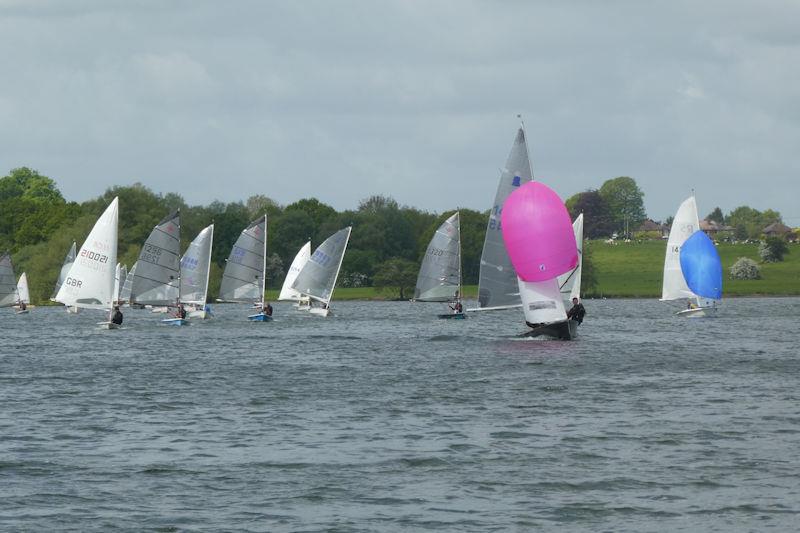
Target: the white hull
pixel 160 309
pixel 698 312
pixel 200 313
pixel 108 325
pixel 72 310
pixel 319 311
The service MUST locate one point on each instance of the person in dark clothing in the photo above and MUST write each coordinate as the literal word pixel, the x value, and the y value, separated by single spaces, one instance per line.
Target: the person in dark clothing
pixel 116 317
pixel 268 309
pixel 577 311
pixel 181 312
pixel 457 307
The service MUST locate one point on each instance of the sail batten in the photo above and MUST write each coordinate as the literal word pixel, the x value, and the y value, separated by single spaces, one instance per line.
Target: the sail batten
pixel 497 287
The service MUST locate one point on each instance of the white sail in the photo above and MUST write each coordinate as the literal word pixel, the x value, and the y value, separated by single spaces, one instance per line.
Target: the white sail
pixel 117 278
pixel 157 277
pixel 300 260
pixel 243 277
pixel 497 285
pixel 318 277
pixel 65 266
pixel 439 278
pixel 23 293
pixel 570 282
pixel 541 301
pixel 685 223
pixel 125 290
pixel 90 280
pixel 195 268
pixel 8 282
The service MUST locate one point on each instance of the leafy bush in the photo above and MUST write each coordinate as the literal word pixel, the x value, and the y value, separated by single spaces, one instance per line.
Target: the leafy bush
pixel 772 250
pixel 745 268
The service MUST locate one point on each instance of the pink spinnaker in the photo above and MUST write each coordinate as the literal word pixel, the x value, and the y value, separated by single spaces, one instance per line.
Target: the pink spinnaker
pixel 538 233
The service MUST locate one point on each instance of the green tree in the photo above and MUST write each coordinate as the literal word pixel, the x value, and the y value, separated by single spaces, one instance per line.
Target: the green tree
pixel 597 220
pixel 716 216
pixel 396 275
pixel 625 202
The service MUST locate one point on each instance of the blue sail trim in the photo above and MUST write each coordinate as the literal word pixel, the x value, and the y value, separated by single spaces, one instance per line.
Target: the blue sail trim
pixel 701 266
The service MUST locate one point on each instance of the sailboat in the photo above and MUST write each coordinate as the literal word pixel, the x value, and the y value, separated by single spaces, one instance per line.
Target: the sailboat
pixel 497 283
pixel 439 278
pixel 8 282
pixel 62 274
pixel 125 290
pixel 244 277
pixel 692 267
pixel 90 280
pixel 195 269
pixel 287 292
pixel 156 280
pixel 569 283
pixel 540 239
pixel 318 277
pixel 23 295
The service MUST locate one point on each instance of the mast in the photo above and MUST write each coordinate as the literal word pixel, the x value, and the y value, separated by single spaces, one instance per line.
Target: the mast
pixel 179 258
pixel 338 268
pixel 264 265
pixel 460 295
pixel 527 150
pixel 208 267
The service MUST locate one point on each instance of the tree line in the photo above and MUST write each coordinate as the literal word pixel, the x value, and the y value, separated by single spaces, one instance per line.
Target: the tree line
pixel 388 241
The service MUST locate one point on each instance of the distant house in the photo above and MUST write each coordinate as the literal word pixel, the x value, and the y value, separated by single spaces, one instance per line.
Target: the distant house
pixel 712 228
pixel 776 229
pixel 651 229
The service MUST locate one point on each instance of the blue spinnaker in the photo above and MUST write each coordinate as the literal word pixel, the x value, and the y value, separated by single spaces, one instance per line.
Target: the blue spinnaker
pixel 701 266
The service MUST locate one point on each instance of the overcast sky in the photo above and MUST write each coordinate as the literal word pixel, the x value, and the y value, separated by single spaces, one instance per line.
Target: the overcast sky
pixel 412 99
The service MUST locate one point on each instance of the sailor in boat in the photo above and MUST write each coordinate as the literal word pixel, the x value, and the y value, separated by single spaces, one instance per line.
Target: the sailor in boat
pixel 180 312
pixel 116 317
pixel 457 307
pixel 22 305
pixel 266 308
pixel 577 311
pixel 690 304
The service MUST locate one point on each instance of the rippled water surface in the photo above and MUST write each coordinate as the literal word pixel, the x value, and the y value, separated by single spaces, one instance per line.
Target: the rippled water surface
pixel 383 418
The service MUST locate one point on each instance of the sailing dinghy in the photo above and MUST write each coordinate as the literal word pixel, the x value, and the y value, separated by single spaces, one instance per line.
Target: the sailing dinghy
pixel 287 292
pixel 244 277
pixel 90 281
pixel 497 283
pixel 62 274
pixel 569 283
pixel 156 280
pixel 8 282
pixel 23 295
pixel 692 267
pixel 195 269
pixel 540 240
pixel 439 278
pixel 318 277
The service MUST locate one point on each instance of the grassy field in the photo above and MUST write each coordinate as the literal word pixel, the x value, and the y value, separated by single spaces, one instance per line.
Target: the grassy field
pixel 635 270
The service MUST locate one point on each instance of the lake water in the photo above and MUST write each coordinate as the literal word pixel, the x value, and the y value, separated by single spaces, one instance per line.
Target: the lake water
pixel 383 418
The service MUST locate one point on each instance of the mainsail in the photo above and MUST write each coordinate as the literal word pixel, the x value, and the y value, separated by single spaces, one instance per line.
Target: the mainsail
pixel 23 293
pixel 90 280
pixel 8 282
pixel 439 278
pixel 300 260
pixel 243 278
pixel 497 285
pixel 157 277
pixel 570 282
pixel 65 266
pixel 318 277
pixel 685 223
pixel 125 291
pixel 195 267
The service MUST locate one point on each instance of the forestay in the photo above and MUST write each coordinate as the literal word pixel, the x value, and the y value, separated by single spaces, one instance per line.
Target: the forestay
pixel 497 286
pixel 685 223
pixel 318 277
pixel 65 266
pixel 439 278
pixel 23 293
pixel 90 280
pixel 570 282
pixel 8 282
pixel 195 267
pixel 300 260
pixel 156 281
pixel 243 278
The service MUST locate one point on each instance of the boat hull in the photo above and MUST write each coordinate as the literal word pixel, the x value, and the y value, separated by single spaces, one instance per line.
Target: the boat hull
pixel 175 322
pixel 452 316
pixel 319 311
pixel 259 317
pixel 565 330
pixel 108 325
pixel 201 314
pixel 698 312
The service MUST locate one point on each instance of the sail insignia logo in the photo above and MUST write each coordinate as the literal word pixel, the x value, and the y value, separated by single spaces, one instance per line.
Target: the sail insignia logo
pixel 516 181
